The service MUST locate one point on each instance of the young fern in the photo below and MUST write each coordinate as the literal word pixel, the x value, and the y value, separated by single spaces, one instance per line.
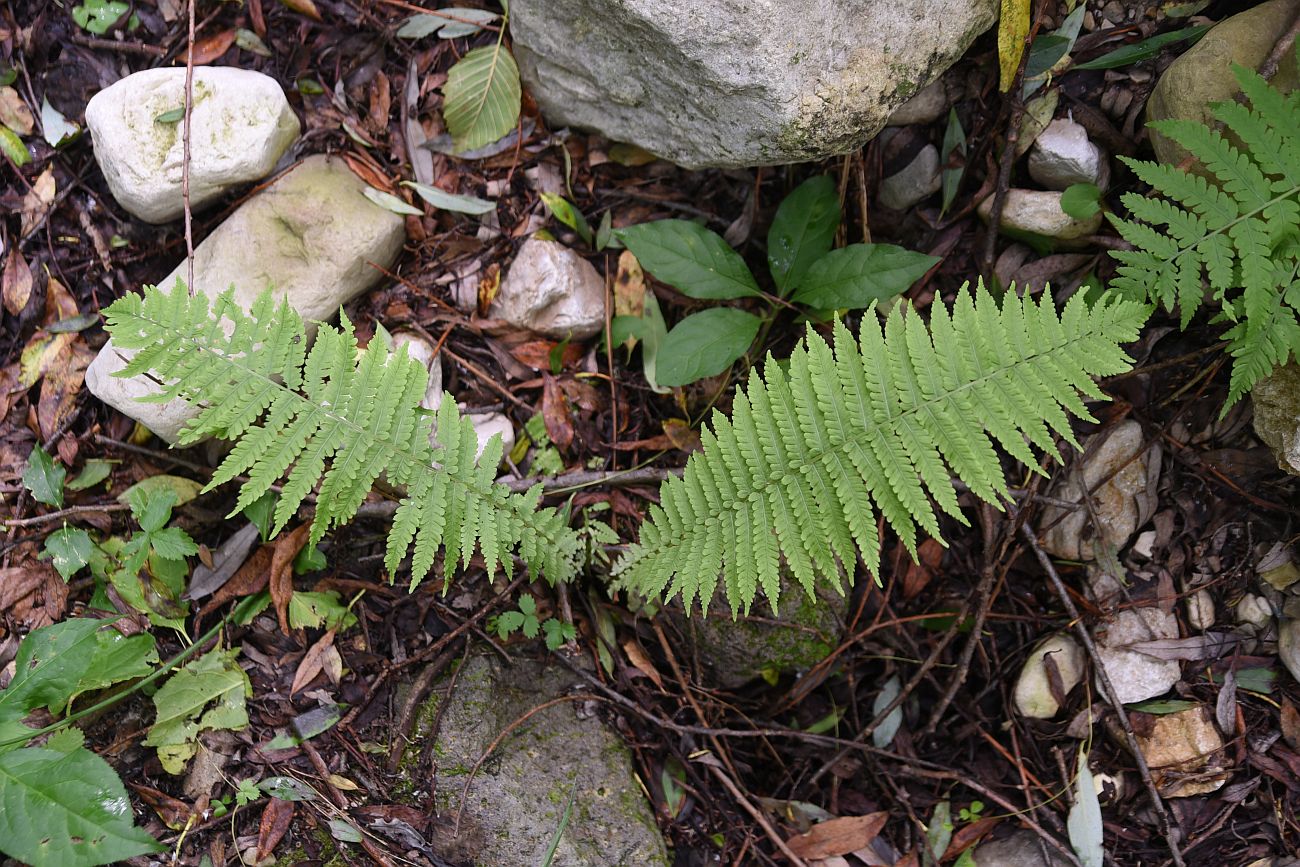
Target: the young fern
pixel 339 416
pixel 873 425
pixel 1239 234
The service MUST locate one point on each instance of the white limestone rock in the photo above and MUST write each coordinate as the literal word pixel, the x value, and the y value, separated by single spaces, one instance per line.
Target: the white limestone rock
pixel 1135 675
pixel 927 106
pixel 1039 212
pixel 918 180
pixel 1033 693
pixel 737 82
pixel 422 351
pixel 310 236
pixel 1062 156
pixel 553 291
pixel 240 125
pixel 489 424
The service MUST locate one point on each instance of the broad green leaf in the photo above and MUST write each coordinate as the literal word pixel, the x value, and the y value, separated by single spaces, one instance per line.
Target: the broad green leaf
pixel 389 202
pixel 861 274
pixel 938 834
pixel 96 16
pixel 802 231
pixel 94 472
pixel 481 97
pixel 118 658
pixel 1084 821
pixel 152 508
pixel 13 147
pixel 690 258
pixel 309 559
pixel 420 26
pixel 44 478
pixel 705 344
pixel 450 201
pixel 1161 706
pixel 184 489
pixel 1013 27
pixel 954 151
pixel 207 694
pixel 650 329
pixel 66 809
pixel 312 610
pixel 1144 50
pixel 1081 201
pixel 170 117
pixel 50 665
pixel 69 550
pixel 172 543
pixel 564 211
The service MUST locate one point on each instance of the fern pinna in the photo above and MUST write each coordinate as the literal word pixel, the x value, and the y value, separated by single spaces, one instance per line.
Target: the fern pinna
pixel 340 416
pixel 873 425
pixel 1238 233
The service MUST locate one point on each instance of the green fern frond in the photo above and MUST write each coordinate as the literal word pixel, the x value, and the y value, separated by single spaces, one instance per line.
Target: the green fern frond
pixel 337 416
pixel 873 428
pixel 1232 233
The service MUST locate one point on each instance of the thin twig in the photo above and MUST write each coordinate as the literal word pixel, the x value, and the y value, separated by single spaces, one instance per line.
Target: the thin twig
pixel 65 513
pixel 115 45
pixel 1162 816
pixel 1268 68
pixel 185 144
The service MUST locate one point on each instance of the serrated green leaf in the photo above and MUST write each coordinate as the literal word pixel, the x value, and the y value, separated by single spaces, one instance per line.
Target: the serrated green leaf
pixel 705 344
pixel 152 508
pixel 97 16
pixel 860 275
pixel 208 694
pixel 66 809
pixel 802 231
pixel 450 201
pixel 389 202
pixel 690 258
pixel 50 665
pixel 481 97
pixel 44 478
pixel 69 550
pixel 172 543
pixel 117 658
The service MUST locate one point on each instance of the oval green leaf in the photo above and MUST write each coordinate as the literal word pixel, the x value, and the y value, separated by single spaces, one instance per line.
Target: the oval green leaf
pixel 690 258
pixel 802 231
pixel 446 201
pixel 481 97
pixel 705 344
pixel 861 274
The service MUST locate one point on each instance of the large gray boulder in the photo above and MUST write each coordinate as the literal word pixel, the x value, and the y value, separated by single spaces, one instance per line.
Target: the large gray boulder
pixel 517 800
pixel 240 125
pixel 311 236
pixel 737 82
pixel 1277 415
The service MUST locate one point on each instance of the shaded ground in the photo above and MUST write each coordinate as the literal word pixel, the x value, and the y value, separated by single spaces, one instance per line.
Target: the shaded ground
pixel 954 629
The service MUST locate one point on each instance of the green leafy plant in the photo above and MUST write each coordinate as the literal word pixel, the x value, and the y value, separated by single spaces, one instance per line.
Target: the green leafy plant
pixel 1232 229
pixel 526 621
pixel 870 426
pixel 481 99
pixel 568 214
pixel 43 478
pixel 700 264
pixel 340 416
pixel 208 694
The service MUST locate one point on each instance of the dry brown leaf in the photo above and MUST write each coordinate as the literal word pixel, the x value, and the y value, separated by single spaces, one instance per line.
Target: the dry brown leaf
pixel 838 836
pixel 917 575
pixel 968 835
pixel 1290 724
pixel 173 811
pixel 284 549
pixel 312 662
pixel 276 818
pixel 536 354
pixel 32 593
pixel 210 48
pixel 59 303
pixel 555 412
pixel 305 7
pixel 641 662
pixel 60 387
pixel 682 435
pixel 37 201
pixel 17 282
pixel 629 286
pixel 9 389
pixel 14 113
pixel 251 578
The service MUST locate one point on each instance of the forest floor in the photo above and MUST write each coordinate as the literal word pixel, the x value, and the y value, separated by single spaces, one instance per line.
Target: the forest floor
pixel 954 628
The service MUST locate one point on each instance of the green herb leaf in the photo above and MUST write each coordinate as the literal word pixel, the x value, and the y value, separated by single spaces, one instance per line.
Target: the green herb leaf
pixel 69 550
pixel 182 703
pixel 566 213
pixel 450 201
pixel 802 231
pixel 44 478
pixel 184 489
pixel 174 116
pixel 1081 201
pixel 689 257
pixel 13 147
pixel 389 202
pixel 705 344
pixel 861 274
pixel 97 16
pixel 1144 50
pixel 481 97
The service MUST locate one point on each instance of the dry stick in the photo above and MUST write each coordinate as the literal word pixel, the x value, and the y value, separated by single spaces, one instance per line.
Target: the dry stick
pixel 487 380
pixel 185 144
pixel 1162 816
pixel 64 513
pixel 1268 68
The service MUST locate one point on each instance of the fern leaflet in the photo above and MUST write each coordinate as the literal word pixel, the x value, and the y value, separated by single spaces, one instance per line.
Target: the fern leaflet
pixel 873 426
pixel 1236 235
pixel 339 416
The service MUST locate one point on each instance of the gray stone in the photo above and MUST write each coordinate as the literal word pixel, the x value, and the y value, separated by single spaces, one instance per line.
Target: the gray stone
pixel 1200 610
pixel 489 424
pixel 1062 156
pixel 310 236
pixel 1039 212
pixel 1288 637
pixel 1021 849
pixel 1202 75
pixel 734 652
pixel 421 350
pixel 737 82
pixel 1033 693
pixel 1121 505
pixel 517 800
pixel 240 124
pixel 921 178
pixel 1135 675
pixel 1277 415
pixel 553 291
pixel 925 107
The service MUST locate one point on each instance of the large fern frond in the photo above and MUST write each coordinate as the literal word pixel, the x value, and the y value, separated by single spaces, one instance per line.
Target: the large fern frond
pixel 813 456
pixel 1235 234
pixel 337 416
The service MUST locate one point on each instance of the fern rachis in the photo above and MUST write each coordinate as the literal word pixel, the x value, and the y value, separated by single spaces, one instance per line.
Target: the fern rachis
pixel 871 426
pixel 339 416
pixel 1236 235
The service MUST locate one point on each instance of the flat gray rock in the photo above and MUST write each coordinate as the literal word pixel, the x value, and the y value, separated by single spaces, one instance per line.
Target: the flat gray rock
pixel 737 82
pixel 517 800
